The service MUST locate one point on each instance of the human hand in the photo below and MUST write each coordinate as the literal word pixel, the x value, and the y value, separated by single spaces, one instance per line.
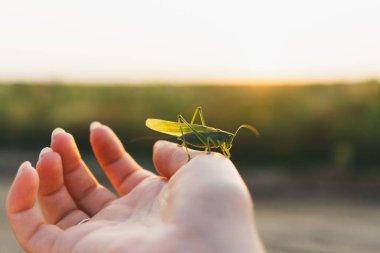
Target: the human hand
pixel 201 205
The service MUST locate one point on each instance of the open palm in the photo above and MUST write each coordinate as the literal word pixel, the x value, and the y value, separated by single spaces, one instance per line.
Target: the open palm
pixel 196 206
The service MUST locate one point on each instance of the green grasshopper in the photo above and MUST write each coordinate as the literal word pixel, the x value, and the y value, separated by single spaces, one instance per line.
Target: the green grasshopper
pixel 195 135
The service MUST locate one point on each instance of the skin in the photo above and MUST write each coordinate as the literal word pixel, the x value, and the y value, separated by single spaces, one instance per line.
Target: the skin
pixel 201 205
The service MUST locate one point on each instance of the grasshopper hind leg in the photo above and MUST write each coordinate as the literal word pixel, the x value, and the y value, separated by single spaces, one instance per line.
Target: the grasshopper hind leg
pixel 199 136
pixel 199 112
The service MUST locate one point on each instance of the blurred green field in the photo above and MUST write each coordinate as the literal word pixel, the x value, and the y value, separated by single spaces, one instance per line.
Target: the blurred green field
pixel 309 127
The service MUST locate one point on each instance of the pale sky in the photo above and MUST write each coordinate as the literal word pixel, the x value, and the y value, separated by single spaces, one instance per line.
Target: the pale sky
pixel 196 40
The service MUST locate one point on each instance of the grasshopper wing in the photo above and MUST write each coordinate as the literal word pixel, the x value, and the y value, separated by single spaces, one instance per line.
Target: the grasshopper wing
pixel 174 128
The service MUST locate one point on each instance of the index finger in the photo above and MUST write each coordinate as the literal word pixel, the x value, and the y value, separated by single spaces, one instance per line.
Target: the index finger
pixel 121 169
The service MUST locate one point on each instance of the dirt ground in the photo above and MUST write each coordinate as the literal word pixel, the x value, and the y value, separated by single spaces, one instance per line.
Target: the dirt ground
pixel 288 225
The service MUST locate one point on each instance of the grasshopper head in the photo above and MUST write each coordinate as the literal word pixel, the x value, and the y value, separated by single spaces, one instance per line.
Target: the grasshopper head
pixel 228 141
pixel 226 144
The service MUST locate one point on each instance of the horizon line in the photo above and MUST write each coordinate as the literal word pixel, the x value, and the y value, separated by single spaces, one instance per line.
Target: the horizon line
pixel 192 82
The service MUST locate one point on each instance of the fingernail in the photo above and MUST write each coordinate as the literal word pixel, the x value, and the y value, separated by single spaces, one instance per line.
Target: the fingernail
pixel 56 131
pixel 44 151
pixel 159 144
pixel 22 166
pixel 95 124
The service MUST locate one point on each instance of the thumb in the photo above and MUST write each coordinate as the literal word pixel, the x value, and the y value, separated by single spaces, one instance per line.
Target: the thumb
pixel 207 184
pixel 203 169
pixel 168 157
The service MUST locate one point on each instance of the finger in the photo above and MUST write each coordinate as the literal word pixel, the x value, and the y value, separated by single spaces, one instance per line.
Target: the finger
pixel 168 157
pixel 121 169
pixel 25 218
pixel 56 203
pixel 88 194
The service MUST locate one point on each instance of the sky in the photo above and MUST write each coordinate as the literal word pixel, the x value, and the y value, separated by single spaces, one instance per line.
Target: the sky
pixel 189 41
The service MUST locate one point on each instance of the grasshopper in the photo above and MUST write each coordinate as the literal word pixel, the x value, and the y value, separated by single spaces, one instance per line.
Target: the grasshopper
pixel 195 135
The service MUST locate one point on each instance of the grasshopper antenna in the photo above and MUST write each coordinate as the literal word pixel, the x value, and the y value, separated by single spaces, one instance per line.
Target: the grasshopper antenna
pixel 253 130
